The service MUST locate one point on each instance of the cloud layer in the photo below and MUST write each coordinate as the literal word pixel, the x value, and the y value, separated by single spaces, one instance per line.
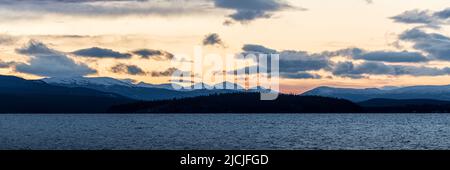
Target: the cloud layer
pixel 44 61
pixel 302 65
pixel 436 45
pixel 349 69
pixel 127 69
pixel 248 10
pixel 96 8
pixel 384 56
pixel 212 39
pixel 97 52
pixel 425 17
pixel 292 64
pixel 166 73
pixel 244 11
pixel 154 54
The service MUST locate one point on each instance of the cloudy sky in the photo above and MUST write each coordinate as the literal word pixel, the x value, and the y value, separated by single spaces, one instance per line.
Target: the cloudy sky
pixel 347 43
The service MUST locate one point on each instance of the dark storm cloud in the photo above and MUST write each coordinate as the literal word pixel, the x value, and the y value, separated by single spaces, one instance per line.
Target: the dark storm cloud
pixel 297 61
pixel 283 74
pixel 128 69
pixel 436 45
pixel 414 17
pixel 165 73
pixel 97 52
pixel 444 14
pixel 292 64
pixel 300 75
pixel 29 9
pixel 349 69
pixel 258 49
pixel 44 61
pixel 212 39
pixel 154 54
pixel 425 17
pixel 385 56
pixel 389 56
pixel 244 10
pixel 291 61
pixel 299 64
pixel 249 10
pixel 35 48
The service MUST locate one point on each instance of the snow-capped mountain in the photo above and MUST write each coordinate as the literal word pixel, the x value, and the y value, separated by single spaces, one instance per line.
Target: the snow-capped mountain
pixel 102 81
pixel 139 91
pixel 126 88
pixel 84 81
pixel 19 95
pixel 162 86
pixel 358 95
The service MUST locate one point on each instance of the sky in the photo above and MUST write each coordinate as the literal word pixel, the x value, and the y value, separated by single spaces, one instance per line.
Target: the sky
pixel 347 43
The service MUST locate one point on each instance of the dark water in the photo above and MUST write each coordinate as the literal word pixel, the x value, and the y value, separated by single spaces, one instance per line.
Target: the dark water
pixel 225 131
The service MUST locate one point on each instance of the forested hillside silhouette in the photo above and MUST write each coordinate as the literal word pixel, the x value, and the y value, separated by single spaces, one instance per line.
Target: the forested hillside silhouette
pixel 242 103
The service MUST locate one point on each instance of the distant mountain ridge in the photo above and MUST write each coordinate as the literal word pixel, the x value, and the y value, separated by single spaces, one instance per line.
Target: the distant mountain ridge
pixel 359 95
pixel 18 95
pixel 250 103
pixel 242 103
pixel 405 106
pixel 378 102
pixel 139 91
pixel 82 81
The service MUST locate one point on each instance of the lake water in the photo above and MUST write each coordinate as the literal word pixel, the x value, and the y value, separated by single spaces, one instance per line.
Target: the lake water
pixel 225 131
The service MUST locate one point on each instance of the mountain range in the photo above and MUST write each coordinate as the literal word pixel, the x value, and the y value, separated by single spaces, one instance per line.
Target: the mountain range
pixel 242 103
pixel 250 103
pixel 100 94
pixel 139 91
pixel 82 94
pixel 145 91
pixel 18 95
pixel 359 95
